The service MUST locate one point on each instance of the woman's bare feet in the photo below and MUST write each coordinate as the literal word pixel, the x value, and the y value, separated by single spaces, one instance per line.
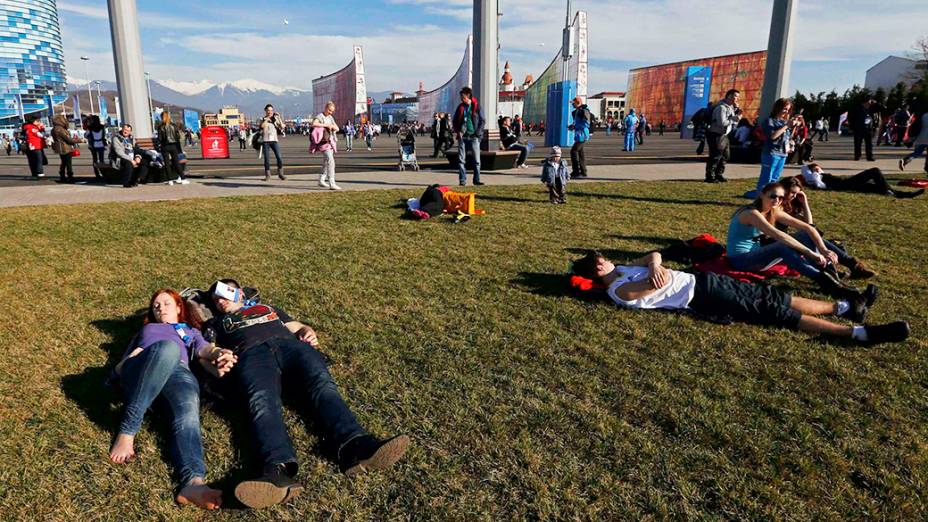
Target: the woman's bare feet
pixel 196 492
pixel 123 449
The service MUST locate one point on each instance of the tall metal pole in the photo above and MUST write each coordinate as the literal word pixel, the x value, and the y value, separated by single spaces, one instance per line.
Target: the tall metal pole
pixel 99 103
pixel 130 67
pixel 86 61
pixel 486 42
pixel 566 45
pixel 151 108
pixel 779 54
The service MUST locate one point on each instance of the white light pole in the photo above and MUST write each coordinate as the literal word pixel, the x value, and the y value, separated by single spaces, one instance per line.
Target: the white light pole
pixel 151 109
pixel 99 103
pixel 86 60
pixel 130 68
pixel 779 54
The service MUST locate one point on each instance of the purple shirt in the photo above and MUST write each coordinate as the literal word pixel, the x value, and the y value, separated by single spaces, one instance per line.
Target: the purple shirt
pixel 156 332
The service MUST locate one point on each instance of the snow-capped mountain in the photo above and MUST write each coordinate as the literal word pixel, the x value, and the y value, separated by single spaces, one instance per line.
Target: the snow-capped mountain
pixel 249 95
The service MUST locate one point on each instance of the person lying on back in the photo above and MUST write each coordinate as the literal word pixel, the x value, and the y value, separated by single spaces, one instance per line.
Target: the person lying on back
pixel 646 284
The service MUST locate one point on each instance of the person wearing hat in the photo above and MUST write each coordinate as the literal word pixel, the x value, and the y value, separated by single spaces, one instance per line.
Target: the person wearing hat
pixel 581 127
pixel 554 174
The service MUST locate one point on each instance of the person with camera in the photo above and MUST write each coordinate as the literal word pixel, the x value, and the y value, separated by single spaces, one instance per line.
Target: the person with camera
pixel 271 126
pixel 725 115
pixel 777 129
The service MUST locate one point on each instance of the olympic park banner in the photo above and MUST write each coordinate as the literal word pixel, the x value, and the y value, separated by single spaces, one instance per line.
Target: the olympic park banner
pixel 698 83
pixel 535 106
pixel 446 97
pixel 192 120
pixel 347 88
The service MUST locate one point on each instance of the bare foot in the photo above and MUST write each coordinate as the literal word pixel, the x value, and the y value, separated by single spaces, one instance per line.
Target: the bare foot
pixel 123 449
pixel 196 492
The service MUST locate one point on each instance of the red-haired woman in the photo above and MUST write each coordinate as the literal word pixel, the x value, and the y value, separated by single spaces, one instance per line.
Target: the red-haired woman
pixel 156 371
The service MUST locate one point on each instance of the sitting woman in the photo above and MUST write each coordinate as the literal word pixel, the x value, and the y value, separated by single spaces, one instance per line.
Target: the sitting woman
pixel 509 140
pixel 797 206
pixel 646 284
pixel 155 370
pixel 870 181
pixel 804 251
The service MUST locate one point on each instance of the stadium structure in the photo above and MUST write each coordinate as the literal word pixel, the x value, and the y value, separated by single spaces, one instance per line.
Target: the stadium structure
pixel 346 87
pixel 535 104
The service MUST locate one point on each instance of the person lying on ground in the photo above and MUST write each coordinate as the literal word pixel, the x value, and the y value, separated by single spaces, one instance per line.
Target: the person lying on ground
pixel 274 350
pixel 870 181
pixel 797 206
pixel 646 284
pixel 803 251
pixel 156 371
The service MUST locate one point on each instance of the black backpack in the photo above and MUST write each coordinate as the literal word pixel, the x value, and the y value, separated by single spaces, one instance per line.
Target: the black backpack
pixel 432 201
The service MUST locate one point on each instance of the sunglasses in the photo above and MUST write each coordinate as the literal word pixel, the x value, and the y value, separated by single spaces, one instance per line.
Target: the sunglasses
pixel 775 197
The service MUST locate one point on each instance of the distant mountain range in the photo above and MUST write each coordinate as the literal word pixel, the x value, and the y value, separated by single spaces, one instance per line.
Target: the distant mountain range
pixel 250 96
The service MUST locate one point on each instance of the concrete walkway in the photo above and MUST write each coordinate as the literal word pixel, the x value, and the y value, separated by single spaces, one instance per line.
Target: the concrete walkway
pixel 46 194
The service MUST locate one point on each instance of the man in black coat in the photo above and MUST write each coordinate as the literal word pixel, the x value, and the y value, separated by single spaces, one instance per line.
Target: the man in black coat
pixel 861 122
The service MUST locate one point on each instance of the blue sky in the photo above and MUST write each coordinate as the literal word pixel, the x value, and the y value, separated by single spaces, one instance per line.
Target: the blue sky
pixel 407 41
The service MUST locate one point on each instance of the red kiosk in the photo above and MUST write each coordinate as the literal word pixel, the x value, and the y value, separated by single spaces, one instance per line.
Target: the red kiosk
pixel 214 142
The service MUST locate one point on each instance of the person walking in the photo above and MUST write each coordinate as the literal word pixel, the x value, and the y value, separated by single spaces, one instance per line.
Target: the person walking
pixel 96 142
pixel 468 128
pixel 778 129
pixel 169 143
pixel 631 127
pixel 823 132
pixel 583 119
pixel 641 129
pixel 369 135
pixel 64 145
pixel 271 126
pixel 660 128
pixel 242 139
pixel 919 134
pixel 518 126
pixel 323 140
pixel 34 133
pixel 349 131
pixel 901 124
pixel 861 123
pixel 436 133
pixel 725 115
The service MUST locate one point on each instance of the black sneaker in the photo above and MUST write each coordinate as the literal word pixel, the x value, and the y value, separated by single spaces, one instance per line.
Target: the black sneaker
pixel 909 195
pixel 367 452
pixel 721 179
pixel 463 183
pixel 479 183
pixel 858 310
pixel 894 332
pixel 870 294
pixel 275 486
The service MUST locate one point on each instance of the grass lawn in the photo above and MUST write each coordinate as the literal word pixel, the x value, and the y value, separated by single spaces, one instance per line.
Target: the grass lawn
pixel 522 403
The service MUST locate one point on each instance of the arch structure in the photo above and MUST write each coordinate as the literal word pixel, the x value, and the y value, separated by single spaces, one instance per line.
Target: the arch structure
pixel 445 98
pixel 535 106
pixel 346 87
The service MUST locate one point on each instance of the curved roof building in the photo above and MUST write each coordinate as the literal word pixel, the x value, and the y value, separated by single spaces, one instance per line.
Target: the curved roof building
pixel 31 58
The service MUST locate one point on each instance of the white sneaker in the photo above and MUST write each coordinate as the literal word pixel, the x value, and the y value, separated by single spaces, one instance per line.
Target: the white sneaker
pixel 523 166
pixel 333 186
pixel 41 175
pixel 171 183
pixel 323 183
pixel 183 181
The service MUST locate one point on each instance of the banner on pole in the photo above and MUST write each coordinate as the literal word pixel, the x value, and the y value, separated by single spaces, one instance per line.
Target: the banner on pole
pixel 104 113
pixel 192 120
pixel 77 108
pixel 696 96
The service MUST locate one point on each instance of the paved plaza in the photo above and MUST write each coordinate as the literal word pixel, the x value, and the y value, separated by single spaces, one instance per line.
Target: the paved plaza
pixel 661 158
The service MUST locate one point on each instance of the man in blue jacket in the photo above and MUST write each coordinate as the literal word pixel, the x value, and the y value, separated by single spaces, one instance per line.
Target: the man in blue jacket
pixel 581 127
pixel 468 127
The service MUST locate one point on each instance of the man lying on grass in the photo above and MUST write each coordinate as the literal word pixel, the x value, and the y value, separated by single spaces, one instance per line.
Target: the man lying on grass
pixel 646 284
pixel 273 350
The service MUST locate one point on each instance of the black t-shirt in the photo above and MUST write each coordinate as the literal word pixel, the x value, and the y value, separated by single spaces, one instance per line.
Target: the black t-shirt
pixel 250 326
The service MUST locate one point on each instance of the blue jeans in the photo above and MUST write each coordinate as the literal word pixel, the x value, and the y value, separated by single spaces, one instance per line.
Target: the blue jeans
pixel 158 375
pixel 349 140
pixel 917 152
pixel 760 258
pixel 466 144
pixel 771 168
pixel 259 375
pixel 268 147
pixel 523 152
pixel 629 141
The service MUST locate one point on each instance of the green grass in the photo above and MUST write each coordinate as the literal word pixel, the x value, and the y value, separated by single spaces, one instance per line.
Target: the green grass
pixel 522 403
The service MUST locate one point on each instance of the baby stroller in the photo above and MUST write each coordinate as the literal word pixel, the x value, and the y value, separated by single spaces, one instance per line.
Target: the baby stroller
pixel 407 145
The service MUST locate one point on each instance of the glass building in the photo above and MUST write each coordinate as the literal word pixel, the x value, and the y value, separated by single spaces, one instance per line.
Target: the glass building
pixel 31 59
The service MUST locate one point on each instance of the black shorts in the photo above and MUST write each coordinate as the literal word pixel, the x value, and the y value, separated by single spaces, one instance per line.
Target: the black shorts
pixel 719 296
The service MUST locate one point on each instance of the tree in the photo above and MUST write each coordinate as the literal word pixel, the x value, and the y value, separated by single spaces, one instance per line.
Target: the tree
pixel 896 97
pixel 920 54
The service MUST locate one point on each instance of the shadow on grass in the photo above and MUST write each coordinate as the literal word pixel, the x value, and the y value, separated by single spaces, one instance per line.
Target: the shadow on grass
pixel 654 200
pixel 661 242
pixel 510 199
pixel 545 285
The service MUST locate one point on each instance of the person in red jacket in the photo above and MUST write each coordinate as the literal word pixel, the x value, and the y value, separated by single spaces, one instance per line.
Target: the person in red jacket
pixel 35 146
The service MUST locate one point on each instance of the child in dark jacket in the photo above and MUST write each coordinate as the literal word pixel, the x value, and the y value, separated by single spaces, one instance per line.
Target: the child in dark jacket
pixel 555 174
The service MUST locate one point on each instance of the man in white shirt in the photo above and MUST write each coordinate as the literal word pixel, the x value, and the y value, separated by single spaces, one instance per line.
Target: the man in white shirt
pixel 271 126
pixel 647 284
pixel 870 181
pixel 725 115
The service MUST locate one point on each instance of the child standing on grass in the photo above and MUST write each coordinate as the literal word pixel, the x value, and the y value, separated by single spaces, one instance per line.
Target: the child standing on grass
pixel 555 174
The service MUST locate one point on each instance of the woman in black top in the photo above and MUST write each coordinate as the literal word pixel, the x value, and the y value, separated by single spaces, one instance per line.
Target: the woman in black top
pixel 169 141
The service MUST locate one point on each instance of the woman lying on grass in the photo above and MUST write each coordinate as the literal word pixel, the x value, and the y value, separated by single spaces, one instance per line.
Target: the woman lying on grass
pixel 646 284
pixel 797 206
pixel 156 370
pixel 803 251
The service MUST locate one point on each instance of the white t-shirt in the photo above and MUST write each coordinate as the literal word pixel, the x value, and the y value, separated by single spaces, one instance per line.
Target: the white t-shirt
pixel 270 131
pixel 325 120
pixel 675 296
pixel 812 178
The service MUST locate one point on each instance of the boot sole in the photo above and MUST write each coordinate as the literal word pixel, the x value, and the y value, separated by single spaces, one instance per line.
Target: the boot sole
pixel 385 456
pixel 258 494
